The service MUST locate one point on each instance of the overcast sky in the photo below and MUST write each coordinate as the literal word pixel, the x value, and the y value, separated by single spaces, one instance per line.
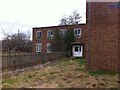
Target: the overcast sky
pixel 25 14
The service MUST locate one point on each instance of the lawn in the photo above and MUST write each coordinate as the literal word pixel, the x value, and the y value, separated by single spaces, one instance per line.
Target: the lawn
pixel 70 73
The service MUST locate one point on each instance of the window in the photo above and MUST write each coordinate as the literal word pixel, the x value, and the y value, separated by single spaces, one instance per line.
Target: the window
pixel 38 34
pixel 63 32
pixel 38 47
pixel 50 34
pixel 49 48
pixel 77 32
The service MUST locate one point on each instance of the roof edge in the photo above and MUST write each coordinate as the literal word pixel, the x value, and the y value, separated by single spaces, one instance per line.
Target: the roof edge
pixel 58 26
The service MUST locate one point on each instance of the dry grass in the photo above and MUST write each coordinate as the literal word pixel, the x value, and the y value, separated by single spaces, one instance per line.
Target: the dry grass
pixel 66 74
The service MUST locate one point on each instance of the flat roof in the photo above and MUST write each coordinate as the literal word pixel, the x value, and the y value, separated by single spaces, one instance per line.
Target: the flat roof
pixel 58 26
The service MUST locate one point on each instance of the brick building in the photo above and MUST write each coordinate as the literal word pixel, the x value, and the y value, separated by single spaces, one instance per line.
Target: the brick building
pixel 97 40
pixel 43 38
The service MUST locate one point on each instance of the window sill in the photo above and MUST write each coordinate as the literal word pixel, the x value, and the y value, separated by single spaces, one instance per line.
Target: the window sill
pixel 38 38
pixel 49 51
pixel 77 36
pixel 38 51
pixel 49 37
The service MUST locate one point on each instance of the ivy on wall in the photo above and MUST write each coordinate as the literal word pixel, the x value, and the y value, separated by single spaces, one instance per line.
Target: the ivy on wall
pixel 63 43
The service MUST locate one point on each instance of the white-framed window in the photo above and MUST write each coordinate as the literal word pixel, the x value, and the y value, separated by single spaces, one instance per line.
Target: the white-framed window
pixel 63 32
pixel 38 34
pixel 49 47
pixel 38 47
pixel 50 34
pixel 77 32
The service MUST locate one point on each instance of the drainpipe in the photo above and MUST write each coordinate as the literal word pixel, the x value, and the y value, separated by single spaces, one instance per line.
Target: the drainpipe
pixel 89 34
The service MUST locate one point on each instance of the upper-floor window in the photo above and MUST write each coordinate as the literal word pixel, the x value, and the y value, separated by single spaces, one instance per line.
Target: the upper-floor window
pixel 38 34
pixel 49 48
pixel 38 47
pixel 50 34
pixel 77 32
pixel 63 32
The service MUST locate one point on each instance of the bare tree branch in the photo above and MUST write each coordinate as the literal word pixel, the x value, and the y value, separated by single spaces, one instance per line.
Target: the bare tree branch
pixel 12 27
pixel 3 31
pixel 74 18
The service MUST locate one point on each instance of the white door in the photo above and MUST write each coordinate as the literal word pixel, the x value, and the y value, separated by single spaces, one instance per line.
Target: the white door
pixel 77 51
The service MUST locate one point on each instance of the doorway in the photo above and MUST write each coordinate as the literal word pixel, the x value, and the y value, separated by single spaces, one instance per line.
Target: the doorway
pixel 77 50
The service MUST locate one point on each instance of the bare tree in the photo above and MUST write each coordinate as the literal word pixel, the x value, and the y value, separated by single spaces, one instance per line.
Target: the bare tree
pixel 6 32
pixel 7 36
pixel 74 18
pixel 70 20
pixel 17 42
pixel 64 20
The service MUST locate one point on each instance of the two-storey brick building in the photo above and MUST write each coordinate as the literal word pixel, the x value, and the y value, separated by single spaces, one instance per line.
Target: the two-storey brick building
pixel 43 38
pixel 97 40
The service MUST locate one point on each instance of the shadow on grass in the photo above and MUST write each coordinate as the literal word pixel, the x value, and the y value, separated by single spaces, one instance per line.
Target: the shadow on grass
pixel 101 72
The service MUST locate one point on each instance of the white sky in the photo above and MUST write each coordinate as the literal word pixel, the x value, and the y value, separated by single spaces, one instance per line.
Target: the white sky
pixel 26 14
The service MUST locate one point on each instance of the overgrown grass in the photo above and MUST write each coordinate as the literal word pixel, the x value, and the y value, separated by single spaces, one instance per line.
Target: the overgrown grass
pixel 65 74
pixel 101 72
pixel 81 61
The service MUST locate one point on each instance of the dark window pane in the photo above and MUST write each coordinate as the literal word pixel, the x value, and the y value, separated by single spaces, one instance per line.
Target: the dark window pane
pixel 76 49
pixel 80 49
pixel 51 33
pixel 78 31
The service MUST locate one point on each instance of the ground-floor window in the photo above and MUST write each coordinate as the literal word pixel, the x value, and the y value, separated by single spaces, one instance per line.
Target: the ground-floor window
pixel 49 47
pixel 38 47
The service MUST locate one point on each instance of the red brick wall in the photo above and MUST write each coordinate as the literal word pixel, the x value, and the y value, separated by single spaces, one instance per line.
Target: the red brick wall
pixel 103 36
pixel 119 42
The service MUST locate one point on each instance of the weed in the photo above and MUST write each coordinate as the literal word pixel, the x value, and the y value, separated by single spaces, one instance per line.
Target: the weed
pixel 80 61
pixel 29 76
pixel 10 81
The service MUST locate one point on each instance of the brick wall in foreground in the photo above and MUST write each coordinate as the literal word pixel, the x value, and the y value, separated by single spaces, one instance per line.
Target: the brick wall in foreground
pixel 103 36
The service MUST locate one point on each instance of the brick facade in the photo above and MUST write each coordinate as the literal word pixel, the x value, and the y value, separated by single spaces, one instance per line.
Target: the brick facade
pixel 103 36
pixel 44 40
pixel 99 36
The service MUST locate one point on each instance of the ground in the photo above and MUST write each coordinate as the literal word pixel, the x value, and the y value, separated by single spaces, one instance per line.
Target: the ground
pixel 70 73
